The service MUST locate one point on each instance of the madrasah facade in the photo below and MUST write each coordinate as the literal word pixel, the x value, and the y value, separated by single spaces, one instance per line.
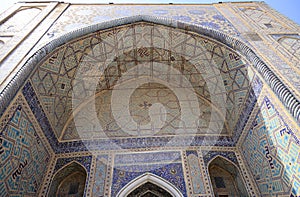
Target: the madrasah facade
pixel 149 100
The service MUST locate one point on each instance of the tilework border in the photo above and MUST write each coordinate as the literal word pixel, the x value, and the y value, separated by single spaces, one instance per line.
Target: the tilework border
pixel 269 100
pixel 20 102
pixel 95 172
pixel 199 181
pixel 287 120
pixel 248 179
pixel 250 102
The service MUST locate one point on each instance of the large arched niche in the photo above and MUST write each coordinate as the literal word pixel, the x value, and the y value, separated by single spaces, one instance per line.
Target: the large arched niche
pixel 70 180
pixel 226 178
pixel 235 44
pixel 162 60
pixel 207 74
pixel 151 181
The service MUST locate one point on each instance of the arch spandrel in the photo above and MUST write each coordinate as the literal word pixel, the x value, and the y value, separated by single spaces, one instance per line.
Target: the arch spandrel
pixel 212 69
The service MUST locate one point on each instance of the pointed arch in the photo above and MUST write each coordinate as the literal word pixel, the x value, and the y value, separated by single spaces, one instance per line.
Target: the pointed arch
pixel 152 178
pixel 225 177
pixel 280 89
pixel 71 178
pixel 221 157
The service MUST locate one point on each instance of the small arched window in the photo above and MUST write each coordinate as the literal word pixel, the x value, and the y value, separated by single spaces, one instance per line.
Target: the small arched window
pixel 226 179
pixel 69 181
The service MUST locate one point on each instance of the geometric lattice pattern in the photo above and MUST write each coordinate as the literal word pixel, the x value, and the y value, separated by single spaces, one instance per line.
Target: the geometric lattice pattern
pixel 291 43
pixel 271 150
pixel 141 49
pixel 24 157
pixel 261 18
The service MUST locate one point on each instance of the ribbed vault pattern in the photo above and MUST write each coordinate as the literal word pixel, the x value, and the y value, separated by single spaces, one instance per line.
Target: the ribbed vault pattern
pixel 84 73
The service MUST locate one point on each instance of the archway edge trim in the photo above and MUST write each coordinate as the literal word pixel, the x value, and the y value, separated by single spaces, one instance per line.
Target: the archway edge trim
pixel 236 167
pixel 61 169
pixel 224 158
pixel 280 89
pixel 69 164
pixel 152 178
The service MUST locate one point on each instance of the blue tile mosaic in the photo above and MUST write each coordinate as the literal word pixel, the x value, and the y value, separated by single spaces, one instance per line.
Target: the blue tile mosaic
pixel 171 172
pixel 23 156
pixel 84 160
pixel 209 155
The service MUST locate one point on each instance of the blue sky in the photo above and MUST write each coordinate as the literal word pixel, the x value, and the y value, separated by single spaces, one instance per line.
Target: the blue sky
pixel 289 8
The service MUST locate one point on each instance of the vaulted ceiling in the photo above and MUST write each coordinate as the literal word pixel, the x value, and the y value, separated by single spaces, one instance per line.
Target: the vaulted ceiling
pixel 142 80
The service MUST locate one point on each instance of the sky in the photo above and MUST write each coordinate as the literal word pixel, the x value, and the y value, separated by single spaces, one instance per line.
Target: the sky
pixel 289 8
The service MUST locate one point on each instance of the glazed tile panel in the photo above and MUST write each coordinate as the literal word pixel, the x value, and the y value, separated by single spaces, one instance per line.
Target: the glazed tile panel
pixel 24 157
pixel 271 150
pixel 85 161
pixel 166 165
pixel 100 175
pixel 196 173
